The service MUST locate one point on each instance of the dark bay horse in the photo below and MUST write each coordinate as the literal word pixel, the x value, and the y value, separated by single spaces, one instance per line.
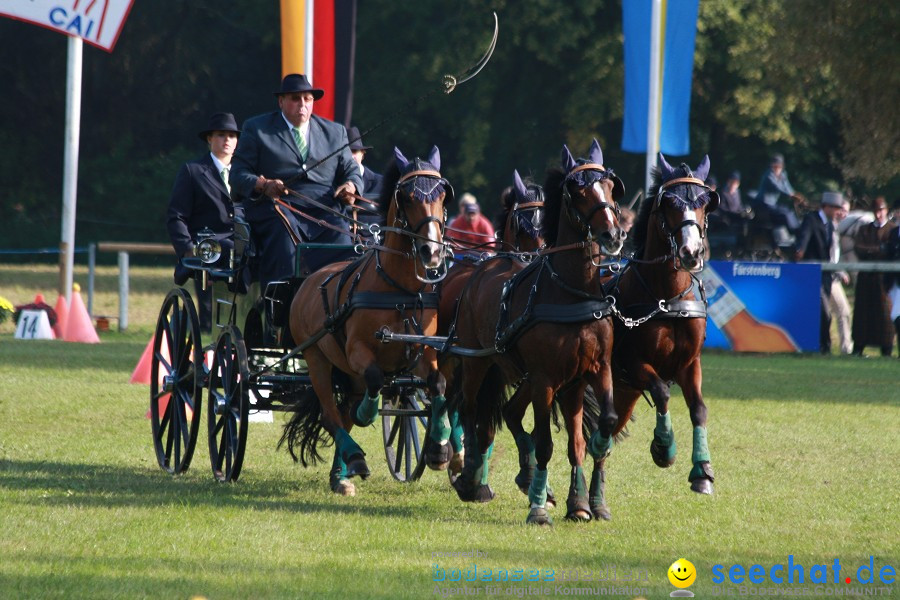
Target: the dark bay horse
pixel 337 310
pixel 523 236
pixel 663 325
pixel 546 329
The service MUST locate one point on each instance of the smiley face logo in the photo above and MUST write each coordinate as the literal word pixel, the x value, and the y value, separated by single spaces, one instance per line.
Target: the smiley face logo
pixel 682 573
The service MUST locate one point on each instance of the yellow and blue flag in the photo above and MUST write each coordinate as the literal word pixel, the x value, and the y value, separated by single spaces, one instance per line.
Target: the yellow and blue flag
pixel 678 26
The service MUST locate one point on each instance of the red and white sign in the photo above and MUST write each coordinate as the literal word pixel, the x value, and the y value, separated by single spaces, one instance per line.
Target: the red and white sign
pixel 97 22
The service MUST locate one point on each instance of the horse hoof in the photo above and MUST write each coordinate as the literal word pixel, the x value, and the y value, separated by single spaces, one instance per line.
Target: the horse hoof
pixel 472 493
pixel 551 499
pixel 437 456
pixel 456 464
pixel 538 516
pixel 357 467
pixel 702 486
pixel 661 456
pixel 343 487
pixel 601 513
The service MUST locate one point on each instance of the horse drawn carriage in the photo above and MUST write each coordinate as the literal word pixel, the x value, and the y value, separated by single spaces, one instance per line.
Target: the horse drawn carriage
pixel 252 365
pixel 622 332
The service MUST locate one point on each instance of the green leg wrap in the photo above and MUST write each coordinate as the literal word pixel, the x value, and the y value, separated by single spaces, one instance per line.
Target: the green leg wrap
pixel 599 446
pixel 525 444
pixel 338 467
pixel 346 446
pixel 700 454
pixel 367 409
pixel 665 436
pixel 598 485
pixel 578 487
pixel 537 493
pixel 456 432
pixel 485 462
pixel 440 421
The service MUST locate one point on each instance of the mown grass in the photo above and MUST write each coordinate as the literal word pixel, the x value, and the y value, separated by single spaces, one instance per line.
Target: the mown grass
pixel 804 449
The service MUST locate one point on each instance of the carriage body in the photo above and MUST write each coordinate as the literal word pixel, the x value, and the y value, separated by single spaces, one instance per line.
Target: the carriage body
pixel 247 364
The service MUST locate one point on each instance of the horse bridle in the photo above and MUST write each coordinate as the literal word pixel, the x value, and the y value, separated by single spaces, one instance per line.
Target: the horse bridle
pixel 412 232
pixel 664 226
pixel 576 217
pixel 519 209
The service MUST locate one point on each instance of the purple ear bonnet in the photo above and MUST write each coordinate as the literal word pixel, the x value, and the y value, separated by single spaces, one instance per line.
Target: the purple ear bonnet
pixel 531 220
pixel 423 188
pixel 685 195
pixel 588 177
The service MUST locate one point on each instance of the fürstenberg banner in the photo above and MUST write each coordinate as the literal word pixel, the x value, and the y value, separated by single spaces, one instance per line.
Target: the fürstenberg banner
pixel 97 22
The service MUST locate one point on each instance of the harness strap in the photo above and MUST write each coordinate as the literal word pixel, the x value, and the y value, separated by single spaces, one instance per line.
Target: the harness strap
pixel 678 180
pixel 423 173
pixel 586 167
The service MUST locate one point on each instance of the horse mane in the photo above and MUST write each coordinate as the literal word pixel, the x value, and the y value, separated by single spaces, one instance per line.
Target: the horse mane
pixel 553 189
pixel 642 222
pixel 390 177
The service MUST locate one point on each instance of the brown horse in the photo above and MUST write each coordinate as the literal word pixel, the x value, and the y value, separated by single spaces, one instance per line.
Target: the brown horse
pixel 523 236
pixel 337 311
pixel 522 316
pixel 663 321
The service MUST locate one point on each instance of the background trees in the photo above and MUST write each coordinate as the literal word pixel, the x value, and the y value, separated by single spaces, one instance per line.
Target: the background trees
pixel 817 81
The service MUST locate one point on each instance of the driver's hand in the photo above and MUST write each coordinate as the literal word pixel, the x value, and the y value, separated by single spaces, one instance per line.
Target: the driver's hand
pixel 274 188
pixel 345 193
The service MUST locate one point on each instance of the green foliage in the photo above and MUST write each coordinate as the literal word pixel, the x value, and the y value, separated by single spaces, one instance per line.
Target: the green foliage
pixel 815 81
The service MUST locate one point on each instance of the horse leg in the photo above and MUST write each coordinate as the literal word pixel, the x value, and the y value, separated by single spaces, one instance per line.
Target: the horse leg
pixel 472 484
pixel 438 450
pixel 577 508
pixel 663 447
pixel 347 451
pixel 541 397
pixel 513 413
pixel 601 441
pixel 701 475
pixel 367 410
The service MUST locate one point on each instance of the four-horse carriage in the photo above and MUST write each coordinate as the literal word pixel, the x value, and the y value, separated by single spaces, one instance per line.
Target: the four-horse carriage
pixel 621 333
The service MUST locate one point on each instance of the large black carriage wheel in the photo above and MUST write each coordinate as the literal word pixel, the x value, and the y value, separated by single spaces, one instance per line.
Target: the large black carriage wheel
pixel 176 382
pixel 404 425
pixel 229 405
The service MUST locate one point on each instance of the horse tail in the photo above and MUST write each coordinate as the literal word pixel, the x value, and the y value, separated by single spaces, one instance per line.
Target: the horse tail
pixel 492 396
pixel 590 420
pixel 304 433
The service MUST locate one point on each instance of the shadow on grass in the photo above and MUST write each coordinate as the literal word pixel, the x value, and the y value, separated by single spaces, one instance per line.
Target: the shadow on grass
pixel 90 485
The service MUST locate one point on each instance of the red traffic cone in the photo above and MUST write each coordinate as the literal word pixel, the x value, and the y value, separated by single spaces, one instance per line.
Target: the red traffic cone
pixel 62 315
pixel 141 373
pixel 78 323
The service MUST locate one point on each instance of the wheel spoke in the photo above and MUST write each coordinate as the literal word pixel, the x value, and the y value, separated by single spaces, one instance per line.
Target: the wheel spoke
pixel 395 427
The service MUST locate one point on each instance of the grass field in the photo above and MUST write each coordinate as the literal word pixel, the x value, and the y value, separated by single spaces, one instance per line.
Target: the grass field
pixel 804 449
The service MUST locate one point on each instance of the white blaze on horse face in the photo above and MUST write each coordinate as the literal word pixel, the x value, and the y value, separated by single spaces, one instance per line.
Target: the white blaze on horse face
pixel 613 244
pixel 434 243
pixel 691 242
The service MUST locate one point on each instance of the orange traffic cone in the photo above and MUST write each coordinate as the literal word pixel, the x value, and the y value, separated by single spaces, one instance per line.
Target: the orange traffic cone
pixel 78 323
pixel 62 315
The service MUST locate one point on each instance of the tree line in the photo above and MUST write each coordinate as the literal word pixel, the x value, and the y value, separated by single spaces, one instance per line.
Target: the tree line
pixel 816 81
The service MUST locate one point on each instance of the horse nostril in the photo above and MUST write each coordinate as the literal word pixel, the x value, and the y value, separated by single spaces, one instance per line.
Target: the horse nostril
pixel 425 253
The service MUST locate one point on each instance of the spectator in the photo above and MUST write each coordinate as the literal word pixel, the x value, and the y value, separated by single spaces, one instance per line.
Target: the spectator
pixel 470 229
pixel 201 199
pixel 287 149
pixel 872 309
pixel 731 208
pixel 817 240
pixel 892 280
pixel 768 203
pixel 371 182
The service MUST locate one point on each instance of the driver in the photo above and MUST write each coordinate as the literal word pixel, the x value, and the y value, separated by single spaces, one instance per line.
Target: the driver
pixel 276 153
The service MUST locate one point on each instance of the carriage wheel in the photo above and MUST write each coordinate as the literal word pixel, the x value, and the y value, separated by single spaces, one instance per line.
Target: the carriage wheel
pixel 404 425
pixel 176 382
pixel 229 405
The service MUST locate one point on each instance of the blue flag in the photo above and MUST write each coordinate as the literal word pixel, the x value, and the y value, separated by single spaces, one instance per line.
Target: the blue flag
pixel 679 29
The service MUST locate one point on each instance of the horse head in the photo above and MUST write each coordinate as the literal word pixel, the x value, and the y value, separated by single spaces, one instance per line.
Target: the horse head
pixel 524 206
pixel 591 195
pixel 682 203
pixel 418 207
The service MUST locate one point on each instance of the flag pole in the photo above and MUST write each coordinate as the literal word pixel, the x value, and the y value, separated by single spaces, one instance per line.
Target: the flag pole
pixel 654 91
pixel 70 165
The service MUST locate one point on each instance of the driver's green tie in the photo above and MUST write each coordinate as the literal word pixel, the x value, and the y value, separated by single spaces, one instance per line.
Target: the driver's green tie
pixel 301 143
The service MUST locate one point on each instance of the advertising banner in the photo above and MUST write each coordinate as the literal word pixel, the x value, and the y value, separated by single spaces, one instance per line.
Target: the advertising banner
pixel 97 22
pixel 762 307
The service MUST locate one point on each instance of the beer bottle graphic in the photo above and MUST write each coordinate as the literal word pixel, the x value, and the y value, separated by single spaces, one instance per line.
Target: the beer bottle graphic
pixel 744 332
